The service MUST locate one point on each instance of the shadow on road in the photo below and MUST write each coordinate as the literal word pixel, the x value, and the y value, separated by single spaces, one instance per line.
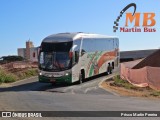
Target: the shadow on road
pixel 33 86
pixel 36 86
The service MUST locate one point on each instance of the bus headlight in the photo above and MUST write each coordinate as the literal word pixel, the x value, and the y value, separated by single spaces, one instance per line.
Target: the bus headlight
pixel 66 74
pixel 40 73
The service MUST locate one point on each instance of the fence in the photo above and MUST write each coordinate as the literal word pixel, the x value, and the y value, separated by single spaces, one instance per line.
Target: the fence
pixel 146 76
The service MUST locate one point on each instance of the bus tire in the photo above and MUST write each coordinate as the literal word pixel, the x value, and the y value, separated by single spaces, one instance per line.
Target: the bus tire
pixel 109 69
pixel 113 65
pixel 80 79
pixel 110 72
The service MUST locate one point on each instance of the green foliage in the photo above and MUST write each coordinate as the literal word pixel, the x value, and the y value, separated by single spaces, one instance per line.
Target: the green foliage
pixel 118 82
pixel 7 59
pixel 7 77
pixel 28 73
pixel 31 72
pixel 155 93
pixel 122 83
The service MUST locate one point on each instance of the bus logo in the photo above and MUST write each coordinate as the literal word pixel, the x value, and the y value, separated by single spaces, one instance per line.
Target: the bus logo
pixel 6 114
pixel 134 19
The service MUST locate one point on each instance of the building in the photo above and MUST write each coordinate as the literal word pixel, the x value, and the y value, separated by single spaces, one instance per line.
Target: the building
pixel 135 54
pixel 30 53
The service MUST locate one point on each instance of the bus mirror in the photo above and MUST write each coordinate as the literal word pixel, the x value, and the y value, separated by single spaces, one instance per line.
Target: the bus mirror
pixel 74 46
pixel 39 50
pixel 41 57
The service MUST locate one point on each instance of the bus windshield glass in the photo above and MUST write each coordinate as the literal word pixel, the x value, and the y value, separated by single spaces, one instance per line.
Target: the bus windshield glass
pixel 55 61
pixel 55 56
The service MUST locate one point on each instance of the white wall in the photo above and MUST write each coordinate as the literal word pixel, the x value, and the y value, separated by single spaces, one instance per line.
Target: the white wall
pixel 21 52
pixel 32 57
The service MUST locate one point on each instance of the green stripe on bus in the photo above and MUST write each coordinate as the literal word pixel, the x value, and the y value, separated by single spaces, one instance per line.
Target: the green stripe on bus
pixel 67 79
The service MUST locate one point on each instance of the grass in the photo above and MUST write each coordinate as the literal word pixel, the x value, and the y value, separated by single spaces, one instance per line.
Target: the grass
pixel 28 73
pixel 155 93
pixel 122 83
pixel 8 77
pixel 118 82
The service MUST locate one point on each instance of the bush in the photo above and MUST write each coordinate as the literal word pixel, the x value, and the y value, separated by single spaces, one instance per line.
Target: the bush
pixel 31 72
pixel 12 58
pixel 21 76
pixel 27 73
pixel 7 77
pixel 155 93
pixel 123 83
pixel 10 78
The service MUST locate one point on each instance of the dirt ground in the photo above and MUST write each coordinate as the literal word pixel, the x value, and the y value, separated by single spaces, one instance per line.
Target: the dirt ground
pixel 140 92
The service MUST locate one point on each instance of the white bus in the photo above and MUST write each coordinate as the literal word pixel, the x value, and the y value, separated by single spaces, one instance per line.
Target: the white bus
pixel 72 57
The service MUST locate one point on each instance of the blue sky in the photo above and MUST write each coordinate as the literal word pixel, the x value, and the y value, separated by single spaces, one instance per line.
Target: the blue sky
pixel 21 20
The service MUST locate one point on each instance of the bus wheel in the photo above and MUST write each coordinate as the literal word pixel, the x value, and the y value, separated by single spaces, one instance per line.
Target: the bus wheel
pixel 109 70
pixel 80 79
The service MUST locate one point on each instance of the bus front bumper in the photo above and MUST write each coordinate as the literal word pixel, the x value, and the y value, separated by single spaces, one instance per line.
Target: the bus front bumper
pixel 62 79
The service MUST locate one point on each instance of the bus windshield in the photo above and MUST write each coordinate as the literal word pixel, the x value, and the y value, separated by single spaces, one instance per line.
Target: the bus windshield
pixel 55 61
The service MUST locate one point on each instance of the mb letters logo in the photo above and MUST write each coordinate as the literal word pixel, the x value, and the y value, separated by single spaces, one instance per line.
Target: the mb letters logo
pixel 147 25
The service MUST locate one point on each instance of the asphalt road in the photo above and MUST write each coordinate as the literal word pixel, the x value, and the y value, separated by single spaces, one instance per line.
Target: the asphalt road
pixel 30 95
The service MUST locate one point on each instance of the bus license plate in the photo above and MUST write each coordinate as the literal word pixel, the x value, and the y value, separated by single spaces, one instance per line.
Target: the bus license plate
pixel 52 80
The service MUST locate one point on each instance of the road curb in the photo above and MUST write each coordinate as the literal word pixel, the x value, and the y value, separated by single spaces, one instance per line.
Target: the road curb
pixel 105 79
pixel 25 79
pixel 3 85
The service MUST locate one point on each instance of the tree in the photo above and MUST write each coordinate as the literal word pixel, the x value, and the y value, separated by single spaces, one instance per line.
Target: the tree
pixel 7 59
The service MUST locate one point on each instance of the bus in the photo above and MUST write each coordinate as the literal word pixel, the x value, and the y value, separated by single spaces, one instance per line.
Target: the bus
pixel 73 57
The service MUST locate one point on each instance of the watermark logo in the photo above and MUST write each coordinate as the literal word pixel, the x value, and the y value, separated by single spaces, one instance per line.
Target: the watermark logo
pixel 134 18
pixel 6 114
pixel 20 114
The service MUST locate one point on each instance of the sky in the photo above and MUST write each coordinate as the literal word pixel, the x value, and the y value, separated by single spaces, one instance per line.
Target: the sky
pixel 21 20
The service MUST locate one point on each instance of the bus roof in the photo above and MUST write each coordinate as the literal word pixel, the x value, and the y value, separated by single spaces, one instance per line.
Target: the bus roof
pixel 66 37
